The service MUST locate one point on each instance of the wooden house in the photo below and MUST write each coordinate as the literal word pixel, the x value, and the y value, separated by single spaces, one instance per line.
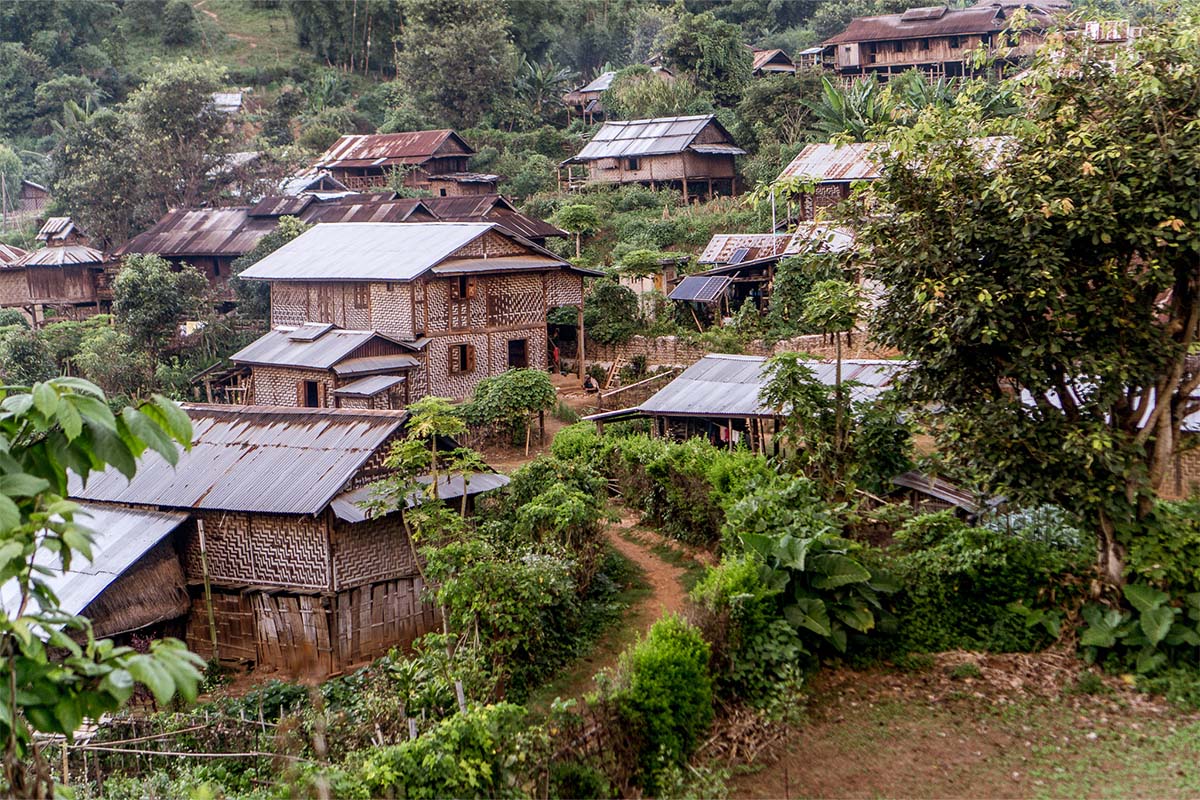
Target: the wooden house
pixel 14 288
pixel 316 365
pixel 771 62
pixel 469 299
pixel 65 275
pixel 276 545
pixel 584 102
pixel 939 41
pixel 810 58
pixel 211 239
pixel 33 200
pixel 693 154
pixel 432 160
pixel 831 170
pixel 718 398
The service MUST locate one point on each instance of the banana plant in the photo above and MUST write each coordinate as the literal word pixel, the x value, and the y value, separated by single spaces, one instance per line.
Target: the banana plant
pixel 1155 627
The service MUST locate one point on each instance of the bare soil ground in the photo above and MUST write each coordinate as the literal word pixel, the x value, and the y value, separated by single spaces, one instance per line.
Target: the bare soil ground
pixel 1018 729
pixel 508 458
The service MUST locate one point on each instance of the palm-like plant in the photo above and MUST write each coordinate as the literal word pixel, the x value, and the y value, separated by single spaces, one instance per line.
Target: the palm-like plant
pixel 542 85
pixel 856 111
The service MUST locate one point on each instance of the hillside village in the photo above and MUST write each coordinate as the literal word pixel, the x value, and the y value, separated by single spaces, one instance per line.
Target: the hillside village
pixel 446 398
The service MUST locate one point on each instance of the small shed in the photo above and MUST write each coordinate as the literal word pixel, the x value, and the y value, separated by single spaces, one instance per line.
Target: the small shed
pixel 772 62
pixel 14 288
pixel 693 154
pixel 718 398
pixel 585 101
pixel 810 58
pixel 832 170
pixel 64 275
pixel 34 198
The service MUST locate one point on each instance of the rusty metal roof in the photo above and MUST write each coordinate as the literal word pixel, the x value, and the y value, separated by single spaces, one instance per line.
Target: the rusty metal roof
pixel 10 254
pixel 818 236
pixel 256 459
pixel 387 149
pixel 722 246
pixel 202 232
pixel 833 163
pixel 294 347
pixel 647 137
pixel 61 255
pixel 493 208
pixel 57 228
pixel 281 205
pixel 365 210
pixel 311 181
pixel 941 489
pixel 928 22
pixel 365 251
pixel 122 536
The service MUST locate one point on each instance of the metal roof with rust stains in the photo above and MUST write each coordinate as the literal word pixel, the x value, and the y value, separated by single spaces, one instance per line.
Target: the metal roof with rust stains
pixel 255 459
pixel 309 346
pixel 202 232
pixel 389 149
pixel 9 255
pixel 834 163
pixel 61 255
pixel 933 21
pixel 722 246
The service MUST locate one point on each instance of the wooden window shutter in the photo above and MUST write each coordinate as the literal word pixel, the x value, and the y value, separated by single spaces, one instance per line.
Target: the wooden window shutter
pixel 321 394
pixel 300 393
pixel 470 348
pixel 453 366
pixel 471 287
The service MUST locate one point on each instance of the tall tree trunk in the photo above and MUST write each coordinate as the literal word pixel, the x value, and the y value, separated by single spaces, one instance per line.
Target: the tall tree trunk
pixel 1111 553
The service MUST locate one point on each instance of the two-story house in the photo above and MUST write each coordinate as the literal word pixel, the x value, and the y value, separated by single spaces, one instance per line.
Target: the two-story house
pixel 463 300
pixel 433 160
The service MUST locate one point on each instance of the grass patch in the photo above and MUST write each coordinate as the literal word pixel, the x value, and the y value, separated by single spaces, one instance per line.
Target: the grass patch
pixel 693 570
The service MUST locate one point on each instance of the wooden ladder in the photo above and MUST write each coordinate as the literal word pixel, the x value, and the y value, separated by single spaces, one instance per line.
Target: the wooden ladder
pixel 612 371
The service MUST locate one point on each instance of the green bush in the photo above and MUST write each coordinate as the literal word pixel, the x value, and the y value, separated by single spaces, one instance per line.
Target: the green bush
pixel 487 752
pixel 976 588
pixel 666 696
pixel 1158 631
pixel 579 443
pixel 756 650
pixel 1166 552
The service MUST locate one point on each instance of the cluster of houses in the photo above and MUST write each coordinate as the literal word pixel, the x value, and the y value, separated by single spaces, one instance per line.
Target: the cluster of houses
pixel 256 547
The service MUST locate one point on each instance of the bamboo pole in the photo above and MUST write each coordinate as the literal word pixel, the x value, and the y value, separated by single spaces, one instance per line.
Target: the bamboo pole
pixel 212 620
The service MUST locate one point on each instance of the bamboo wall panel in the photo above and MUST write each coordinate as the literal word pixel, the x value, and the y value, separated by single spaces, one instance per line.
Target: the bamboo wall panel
pixel 236 639
pixel 372 619
pixel 293 634
pixel 371 551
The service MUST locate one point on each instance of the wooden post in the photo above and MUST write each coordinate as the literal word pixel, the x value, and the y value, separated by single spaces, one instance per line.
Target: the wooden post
pixel 212 620
pixel 542 427
pixel 581 354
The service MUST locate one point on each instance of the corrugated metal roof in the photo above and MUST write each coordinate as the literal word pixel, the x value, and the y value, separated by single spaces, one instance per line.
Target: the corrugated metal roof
pixel 817 236
pixel 492 208
pixel 647 137
pixel 202 232
pixel 941 489
pixel 722 245
pixel 369 364
pixel 313 180
pixel 227 102
pixel 59 255
pixel 122 536
pixel 346 505
pixel 281 205
pixel 364 251
pixel 369 387
pixel 400 210
pixel 465 177
pixel 9 254
pixel 721 385
pixel 979 19
pixel 279 347
pixel 833 163
pixel 464 266
pixel 601 83
pixel 387 149
pixel 700 289
pixel 256 459
pixel 57 228
pixel 717 149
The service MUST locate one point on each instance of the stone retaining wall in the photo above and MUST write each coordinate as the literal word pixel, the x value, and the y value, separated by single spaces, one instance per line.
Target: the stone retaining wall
pixel 672 350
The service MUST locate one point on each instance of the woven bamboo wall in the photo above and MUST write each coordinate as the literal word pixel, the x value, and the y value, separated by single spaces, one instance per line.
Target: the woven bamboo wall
pixel 276 386
pixel 491 244
pixel 234 619
pixel 261 550
pixel 372 619
pixel 369 551
pixel 14 289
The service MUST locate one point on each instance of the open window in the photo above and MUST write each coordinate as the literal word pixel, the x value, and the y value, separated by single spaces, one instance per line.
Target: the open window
pixel 462 358
pixel 462 288
pixel 518 353
pixel 310 394
pixel 362 295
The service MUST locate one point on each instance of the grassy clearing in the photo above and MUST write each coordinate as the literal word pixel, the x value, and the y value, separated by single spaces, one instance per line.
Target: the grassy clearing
pixel 935 733
pixel 693 570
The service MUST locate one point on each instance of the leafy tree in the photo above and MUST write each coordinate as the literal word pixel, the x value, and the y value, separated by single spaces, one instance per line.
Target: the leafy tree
pixel 712 50
pixel 26 359
pixel 456 57
pixel 355 36
pixel 10 317
pixel 179 25
pixel 254 297
pixel 151 298
pixel 611 314
pixel 11 172
pixel 639 92
pixel 579 219
pixel 1047 293
pixel 773 110
pixel 512 399
pixel 53 671
pixel 20 73
pixel 540 87
pixel 111 359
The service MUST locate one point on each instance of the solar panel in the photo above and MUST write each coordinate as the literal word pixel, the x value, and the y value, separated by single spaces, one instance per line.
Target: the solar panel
pixel 739 255
pixel 700 288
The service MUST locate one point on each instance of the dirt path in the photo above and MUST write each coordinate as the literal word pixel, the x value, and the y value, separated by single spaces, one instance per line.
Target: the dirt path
pixel 662 593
